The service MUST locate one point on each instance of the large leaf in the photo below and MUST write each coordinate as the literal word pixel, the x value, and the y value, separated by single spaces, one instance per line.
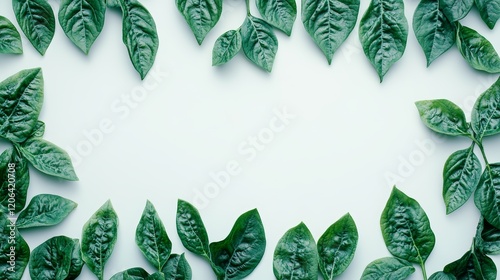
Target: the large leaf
pixel 489 11
pixel 21 97
pixel 279 13
pixel 487 195
pixel 37 21
pixel 226 47
pixel 477 50
pixel 51 260
pixel 45 210
pixel 201 15
pixel 485 116
pixel 387 269
pixel 15 177
pixel 177 268
pixel 329 22
pixel 443 116
pixel 259 42
pixel 10 39
pixel 191 229
pixel 82 21
pixel 456 9
pixel 383 32
pixel 14 251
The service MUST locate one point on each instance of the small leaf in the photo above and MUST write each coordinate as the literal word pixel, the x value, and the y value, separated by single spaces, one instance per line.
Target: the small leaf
pixel 10 39
pixel 201 15
pixel 98 239
pixel 259 42
pixel 442 116
pixel 51 260
pixel 37 21
pixel 488 237
pixel 279 13
pixel 226 47
pixel 388 269
pixel 135 273
pixel 191 229
pixel 177 268
pixel 489 11
pixel 329 22
pixel 15 177
pixel 296 255
pixel 440 275
pixel 485 120
pixel 14 251
pixel 48 158
pixel 477 50
pixel 45 210
pixel 456 9
pixel 487 195
pixel 336 247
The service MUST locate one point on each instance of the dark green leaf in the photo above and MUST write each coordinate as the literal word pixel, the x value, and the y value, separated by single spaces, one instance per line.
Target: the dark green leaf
pixel 461 175
pixel 442 116
pixel 440 275
pixel 45 210
pixel 434 32
pixel 48 158
pixel 279 13
pixel 156 276
pixel 488 238
pixel 14 251
pixel 477 51
pixel 10 39
pixel 388 269
pixel 406 228
pixel 241 251
pixel 21 98
pixel 76 261
pixel 489 11
pixel 485 120
pixel 152 238
pixel 296 255
pixel 51 260
pixel 472 265
pixel 336 247
pixel 15 181
pixel 259 42
pixel 329 22
pixel 135 273
pixel 177 268
pixel 191 229
pixel 383 32
pixel 226 47
pixel 37 21
pixel 487 195
pixel 456 9
pixel 201 15
pixel 98 238
pixel 82 21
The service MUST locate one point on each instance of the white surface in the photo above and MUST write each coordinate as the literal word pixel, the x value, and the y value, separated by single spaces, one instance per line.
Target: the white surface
pixel 348 132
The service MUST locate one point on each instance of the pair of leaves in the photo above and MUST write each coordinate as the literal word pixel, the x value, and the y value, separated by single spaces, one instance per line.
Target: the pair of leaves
pixel 237 255
pixel 298 257
pixel 14 251
pixel 10 39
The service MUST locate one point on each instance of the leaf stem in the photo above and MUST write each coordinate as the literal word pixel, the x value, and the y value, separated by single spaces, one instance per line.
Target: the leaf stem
pixel 248 7
pixel 424 272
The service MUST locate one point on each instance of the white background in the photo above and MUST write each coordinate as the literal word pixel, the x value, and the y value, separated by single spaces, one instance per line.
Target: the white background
pixel 348 133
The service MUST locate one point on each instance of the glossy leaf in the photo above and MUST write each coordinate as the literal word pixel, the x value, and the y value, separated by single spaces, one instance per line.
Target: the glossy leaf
pixel 296 255
pixel 406 228
pixel 152 238
pixel 472 265
pixel 329 22
pixel 48 158
pixel 442 116
pixel 10 39
pixel 242 250
pixel 336 247
pixel 15 178
pixel 136 273
pixel 37 21
pixel 487 195
pixel 14 252
pixel 139 36
pixel 191 229
pixel 461 175
pixel 98 238
pixel 477 50
pixel 82 21
pixel 383 32
pixel 434 32
pixel 21 98
pixel 488 238
pixel 51 260
pixel 45 210
pixel 485 120
pixel 201 15
pixel 279 13
pixel 226 47
pixel 440 275
pixel 259 42
pixel 387 269
pixel 489 11
pixel 177 268
pixel 456 9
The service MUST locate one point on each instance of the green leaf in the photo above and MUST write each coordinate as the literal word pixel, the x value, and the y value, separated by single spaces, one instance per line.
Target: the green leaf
pixel 156 276
pixel 139 35
pixel 242 250
pixel 201 15
pixel 383 32
pixel 48 158
pixel 177 268
pixel 477 50
pixel 443 116
pixel 76 261
pixel 259 42
pixel 191 229
pixel 485 116
pixel 135 273
pixel 489 11
pixel 51 260
pixel 10 39
pixel 336 247
pixel 406 228
pixel 472 265
pixel 15 181
pixel 296 255
pixel 98 238
pixel 226 47
pixel 456 9
pixel 461 175
pixel 487 195
pixel 388 269
pixel 82 21
pixel 279 13
pixel 21 98
pixel 434 32
pixel 440 275
pixel 45 210
pixel 329 22
pixel 488 238
pixel 14 251
pixel 152 238
pixel 37 21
